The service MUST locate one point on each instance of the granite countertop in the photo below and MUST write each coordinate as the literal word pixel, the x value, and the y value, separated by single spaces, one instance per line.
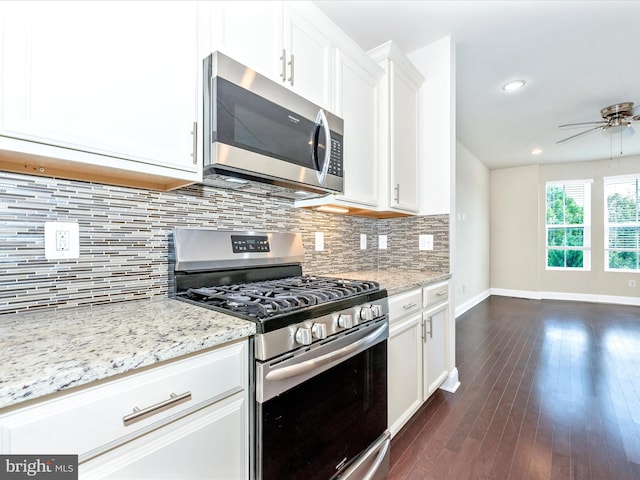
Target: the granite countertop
pixel 46 352
pixel 396 280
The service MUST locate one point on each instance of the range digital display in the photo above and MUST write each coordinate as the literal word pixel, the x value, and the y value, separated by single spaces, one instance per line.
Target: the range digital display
pixel 249 243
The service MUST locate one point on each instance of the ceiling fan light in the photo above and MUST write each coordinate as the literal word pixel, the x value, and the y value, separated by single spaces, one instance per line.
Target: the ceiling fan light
pixel 621 129
pixel 514 85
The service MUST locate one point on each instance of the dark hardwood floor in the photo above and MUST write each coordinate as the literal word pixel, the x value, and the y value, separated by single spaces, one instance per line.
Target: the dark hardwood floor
pixel 549 390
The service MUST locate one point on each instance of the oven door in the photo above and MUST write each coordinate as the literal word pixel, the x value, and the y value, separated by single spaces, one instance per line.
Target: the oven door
pixel 320 409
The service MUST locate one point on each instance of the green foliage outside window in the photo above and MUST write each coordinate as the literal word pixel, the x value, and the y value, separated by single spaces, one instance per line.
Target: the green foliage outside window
pixel 623 229
pixel 565 226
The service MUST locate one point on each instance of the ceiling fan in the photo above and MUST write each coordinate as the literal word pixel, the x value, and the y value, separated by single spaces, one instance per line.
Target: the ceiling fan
pixel 616 118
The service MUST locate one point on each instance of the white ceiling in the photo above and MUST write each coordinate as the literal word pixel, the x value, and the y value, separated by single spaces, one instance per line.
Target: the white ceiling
pixel 576 57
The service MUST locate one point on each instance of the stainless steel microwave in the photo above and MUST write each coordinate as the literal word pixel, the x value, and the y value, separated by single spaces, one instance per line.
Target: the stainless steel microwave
pixel 257 129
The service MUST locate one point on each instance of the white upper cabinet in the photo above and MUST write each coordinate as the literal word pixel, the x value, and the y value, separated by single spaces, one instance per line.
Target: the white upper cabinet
pixel 399 97
pixel 110 84
pixel 278 41
pixel 356 94
pixel 309 58
pixel 250 32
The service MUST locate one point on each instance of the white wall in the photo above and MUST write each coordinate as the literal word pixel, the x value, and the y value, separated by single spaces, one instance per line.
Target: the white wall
pixel 472 218
pixel 518 235
pixel 514 228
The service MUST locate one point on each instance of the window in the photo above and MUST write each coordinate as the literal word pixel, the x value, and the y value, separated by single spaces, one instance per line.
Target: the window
pixel 622 224
pixel 568 221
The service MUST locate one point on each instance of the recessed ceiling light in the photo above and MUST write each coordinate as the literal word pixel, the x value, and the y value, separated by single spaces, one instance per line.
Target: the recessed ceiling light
pixel 515 85
pixel 536 151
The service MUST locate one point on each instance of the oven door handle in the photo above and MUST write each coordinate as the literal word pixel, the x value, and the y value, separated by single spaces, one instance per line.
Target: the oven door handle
pixel 367 467
pixel 307 366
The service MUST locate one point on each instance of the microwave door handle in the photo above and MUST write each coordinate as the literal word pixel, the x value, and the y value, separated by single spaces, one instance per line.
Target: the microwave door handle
pixel 321 122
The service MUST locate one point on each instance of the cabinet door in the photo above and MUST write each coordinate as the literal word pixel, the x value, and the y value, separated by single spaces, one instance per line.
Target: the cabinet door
pixel 309 57
pixel 250 32
pixel 356 94
pixel 404 371
pixel 435 369
pixel 114 78
pixel 404 141
pixel 210 443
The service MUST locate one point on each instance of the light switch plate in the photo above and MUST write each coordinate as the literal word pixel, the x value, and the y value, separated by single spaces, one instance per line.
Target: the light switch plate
pixel 363 241
pixel 382 242
pixel 319 241
pixel 425 242
pixel 61 240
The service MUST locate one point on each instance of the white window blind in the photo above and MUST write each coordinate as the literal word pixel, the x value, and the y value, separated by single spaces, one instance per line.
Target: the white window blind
pixel 568 225
pixel 622 223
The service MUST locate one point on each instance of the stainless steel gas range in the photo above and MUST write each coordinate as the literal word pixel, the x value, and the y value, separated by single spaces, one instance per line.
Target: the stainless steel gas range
pixel 320 353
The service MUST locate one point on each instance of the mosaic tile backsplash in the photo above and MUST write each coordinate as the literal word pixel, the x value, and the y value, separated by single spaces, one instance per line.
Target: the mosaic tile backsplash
pixel 124 236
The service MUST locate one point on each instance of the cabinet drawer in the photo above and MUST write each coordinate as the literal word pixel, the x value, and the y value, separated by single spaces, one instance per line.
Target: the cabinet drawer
pixel 89 421
pixel 404 304
pixel 434 294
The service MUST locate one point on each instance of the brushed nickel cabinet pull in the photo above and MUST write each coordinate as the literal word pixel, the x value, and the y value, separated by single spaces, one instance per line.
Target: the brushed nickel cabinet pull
pixel 283 70
pixel 441 293
pixel 194 153
pixel 291 62
pixel 140 414
pixel 397 189
pixel 430 327
pixel 409 306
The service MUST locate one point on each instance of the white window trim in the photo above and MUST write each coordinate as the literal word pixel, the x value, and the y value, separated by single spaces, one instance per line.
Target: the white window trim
pixel 612 179
pixel 586 248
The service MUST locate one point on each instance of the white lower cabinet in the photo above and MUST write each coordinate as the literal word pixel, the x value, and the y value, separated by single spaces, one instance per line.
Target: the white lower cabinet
pixel 208 444
pixel 435 319
pixel 404 373
pixel 184 419
pixel 435 368
pixel 417 350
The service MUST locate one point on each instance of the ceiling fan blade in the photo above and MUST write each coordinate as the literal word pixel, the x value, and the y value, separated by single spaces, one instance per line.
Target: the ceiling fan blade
pixel 578 135
pixel 601 122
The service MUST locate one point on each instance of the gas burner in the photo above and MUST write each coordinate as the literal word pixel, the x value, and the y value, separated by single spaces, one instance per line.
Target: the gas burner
pixel 265 299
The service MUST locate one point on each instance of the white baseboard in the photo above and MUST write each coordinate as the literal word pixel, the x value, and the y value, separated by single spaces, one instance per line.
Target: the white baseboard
pixel 575 297
pixel 452 383
pixel 469 304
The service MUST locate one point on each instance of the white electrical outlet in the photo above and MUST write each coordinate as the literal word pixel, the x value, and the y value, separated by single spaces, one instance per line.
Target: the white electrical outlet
pixel 319 241
pixel 61 240
pixel 382 242
pixel 363 241
pixel 632 283
pixel 425 242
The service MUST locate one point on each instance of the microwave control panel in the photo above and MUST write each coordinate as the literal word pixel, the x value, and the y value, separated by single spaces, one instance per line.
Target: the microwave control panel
pixel 335 162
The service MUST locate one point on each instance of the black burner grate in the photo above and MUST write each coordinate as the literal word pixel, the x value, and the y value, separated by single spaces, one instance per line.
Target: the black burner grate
pixel 269 298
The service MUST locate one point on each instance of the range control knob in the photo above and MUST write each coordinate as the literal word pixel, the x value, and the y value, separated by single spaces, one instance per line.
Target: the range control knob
pixel 345 321
pixel 303 336
pixel 377 310
pixel 319 331
pixel 366 313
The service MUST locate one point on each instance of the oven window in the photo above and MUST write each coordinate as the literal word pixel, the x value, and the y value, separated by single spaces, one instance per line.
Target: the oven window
pixel 314 429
